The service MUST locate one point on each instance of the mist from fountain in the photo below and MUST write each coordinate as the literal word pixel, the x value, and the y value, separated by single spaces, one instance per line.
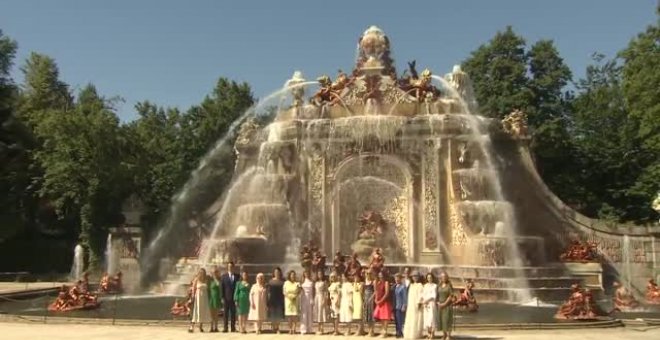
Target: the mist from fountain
pixel 487 173
pixel 179 209
pixel 510 231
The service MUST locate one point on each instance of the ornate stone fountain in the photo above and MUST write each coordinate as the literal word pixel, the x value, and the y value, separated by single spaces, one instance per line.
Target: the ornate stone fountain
pixel 372 160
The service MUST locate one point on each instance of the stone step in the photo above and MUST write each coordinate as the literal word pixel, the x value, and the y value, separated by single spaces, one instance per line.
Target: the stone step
pixel 483 271
pixel 532 282
pixel 550 295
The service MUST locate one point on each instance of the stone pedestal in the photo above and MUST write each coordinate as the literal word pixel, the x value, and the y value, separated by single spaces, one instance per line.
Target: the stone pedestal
pixel 124 248
pixel 591 273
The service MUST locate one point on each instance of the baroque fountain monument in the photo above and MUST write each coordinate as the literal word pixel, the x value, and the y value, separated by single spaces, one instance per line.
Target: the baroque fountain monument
pixel 402 161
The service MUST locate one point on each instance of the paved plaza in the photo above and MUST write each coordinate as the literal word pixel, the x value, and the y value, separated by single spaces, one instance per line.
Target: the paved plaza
pixel 12 330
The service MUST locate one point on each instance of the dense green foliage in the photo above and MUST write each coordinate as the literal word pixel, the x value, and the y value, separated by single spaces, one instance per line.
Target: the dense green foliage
pixel 597 146
pixel 68 163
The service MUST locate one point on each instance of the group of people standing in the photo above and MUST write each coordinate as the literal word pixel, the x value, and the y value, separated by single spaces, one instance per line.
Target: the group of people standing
pixel 419 306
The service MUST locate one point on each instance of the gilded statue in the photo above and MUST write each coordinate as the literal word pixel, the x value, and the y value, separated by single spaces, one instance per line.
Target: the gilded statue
pixel 329 92
pixel 515 124
pixel 419 85
pixel 247 132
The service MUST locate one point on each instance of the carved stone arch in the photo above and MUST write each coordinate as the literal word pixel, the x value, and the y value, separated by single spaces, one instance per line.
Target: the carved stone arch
pixel 369 181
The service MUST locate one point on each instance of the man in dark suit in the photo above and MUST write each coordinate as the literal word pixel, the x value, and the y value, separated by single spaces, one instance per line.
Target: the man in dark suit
pixel 228 283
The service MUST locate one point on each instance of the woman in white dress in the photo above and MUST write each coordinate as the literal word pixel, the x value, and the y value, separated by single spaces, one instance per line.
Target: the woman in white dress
pixel 307 303
pixel 430 296
pixel 201 312
pixel 321 300
pixel 258 303
pixel 413 325
pixel 334 291
pixel 346 303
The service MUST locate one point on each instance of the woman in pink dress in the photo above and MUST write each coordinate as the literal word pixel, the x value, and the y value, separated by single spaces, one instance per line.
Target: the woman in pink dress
pixel 383 310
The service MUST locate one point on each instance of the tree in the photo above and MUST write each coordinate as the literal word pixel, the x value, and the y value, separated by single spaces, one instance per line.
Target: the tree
pixel 210 120
pixel 607 140
pixel 549 77
pixel 507 77
pixel 557 158
pixel 42 88
pixel 15 139
pixel 82 169
pixel 155 155
pixel 641 91
pixel 499 73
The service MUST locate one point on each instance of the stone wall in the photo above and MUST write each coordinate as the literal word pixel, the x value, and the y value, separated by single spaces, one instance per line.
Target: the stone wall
pixel 631 253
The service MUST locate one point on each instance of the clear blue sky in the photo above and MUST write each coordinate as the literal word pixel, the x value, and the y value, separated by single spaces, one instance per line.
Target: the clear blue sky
pixel 172 52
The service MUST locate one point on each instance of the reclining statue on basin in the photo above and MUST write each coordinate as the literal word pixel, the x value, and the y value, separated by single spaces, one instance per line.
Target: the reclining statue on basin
pixel 652 292
pixel 580 305
pixel 374 233
pixel 623 299
pixel 466 301
pixel 74 298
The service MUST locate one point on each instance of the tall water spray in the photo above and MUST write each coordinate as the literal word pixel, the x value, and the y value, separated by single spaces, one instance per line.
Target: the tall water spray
pixel 459 86
pixel 78 266
pixel 183 203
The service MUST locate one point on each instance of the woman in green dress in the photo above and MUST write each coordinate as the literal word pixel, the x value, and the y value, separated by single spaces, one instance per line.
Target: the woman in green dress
pixel 445 302
pixel 215 299
pixel 242 299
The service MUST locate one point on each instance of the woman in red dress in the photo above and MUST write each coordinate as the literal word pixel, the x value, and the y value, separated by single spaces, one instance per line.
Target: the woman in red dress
pixel 383 310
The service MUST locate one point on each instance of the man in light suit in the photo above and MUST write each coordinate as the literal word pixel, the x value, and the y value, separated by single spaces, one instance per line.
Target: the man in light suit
pixel 228 285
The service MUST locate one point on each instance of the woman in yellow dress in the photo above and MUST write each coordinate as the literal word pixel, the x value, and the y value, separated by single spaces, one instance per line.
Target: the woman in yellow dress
pixel 291 291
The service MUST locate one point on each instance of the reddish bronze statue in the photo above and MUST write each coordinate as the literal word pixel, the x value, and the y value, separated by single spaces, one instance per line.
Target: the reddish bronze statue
pixel 84 285
pixel 466 301
pixel 377 261
pixel 580 306
pixel 72 298
pixel 181 309
pixel 354 267
pixel 652 293
pixel 578 251
pixel 307 255
pixel 339 263
pixel 623 298
pixel 318 262
pixel 111 285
